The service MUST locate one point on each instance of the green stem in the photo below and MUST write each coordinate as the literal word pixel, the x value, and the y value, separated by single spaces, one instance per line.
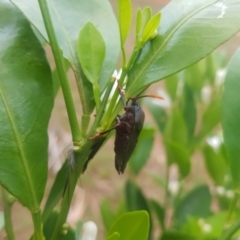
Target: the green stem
pixel 227 234
pixel 123 56
pixel 37 223
pixel 233 206
pixel 115 106
pixel 166 198
pixel 7 206
pixel 59 60
pixel 102 107
pixel 72 181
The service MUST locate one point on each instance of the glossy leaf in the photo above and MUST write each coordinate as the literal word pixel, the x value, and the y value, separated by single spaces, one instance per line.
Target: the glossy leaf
pixel 184 37
pixel 135 200
pixel 114 236
pixel 231 116
pixel 176 142
pixel 56 191
pixel 143 17
pixel 124 18
pixel 69 17
pixel 26 101
pixel 196 203
pixel 144 147
pixel 215 164
pixel 158 113
pixel 131 226
pixel 151 27
pixel 138 24
pixel 91 51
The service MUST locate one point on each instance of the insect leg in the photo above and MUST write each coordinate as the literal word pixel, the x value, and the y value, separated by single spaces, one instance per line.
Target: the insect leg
pixel 104 132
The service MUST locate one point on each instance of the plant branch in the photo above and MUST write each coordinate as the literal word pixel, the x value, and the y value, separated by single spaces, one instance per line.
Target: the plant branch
pixel 102 107
pixel 7 205
pixel 227 234
pixel 79 157
pixel 59 60
pixel 37 222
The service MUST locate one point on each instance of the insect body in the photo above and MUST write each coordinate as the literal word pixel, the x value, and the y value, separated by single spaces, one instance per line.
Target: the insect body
pixel 128 128
pixel 127 133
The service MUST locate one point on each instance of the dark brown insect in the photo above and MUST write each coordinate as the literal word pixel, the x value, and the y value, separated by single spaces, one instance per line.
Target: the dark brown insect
pixel 128 128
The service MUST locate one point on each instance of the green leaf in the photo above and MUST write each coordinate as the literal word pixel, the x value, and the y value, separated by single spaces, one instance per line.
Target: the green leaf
pixel 184 37
pixel 78 229
pixel 135 200
pixel 131 226
pixel 160 212
pixel 56 191
pixel 151 27
pixel 158 113
pixel 196 204
pixel 143 17
pixel 174 235
pixel 215 163
pixel 211 117
pixel 49 226
pixel 176 142
pixel 124 18
pixel 68 18
pixel 145 144
pixel 107 214
pixel 231 116
pixel 138 25
pixel 189 110
pixel 171 84
pixel 114 236
pixel 194 77
pixel 210 69
pixel 26 101
pixel 91 51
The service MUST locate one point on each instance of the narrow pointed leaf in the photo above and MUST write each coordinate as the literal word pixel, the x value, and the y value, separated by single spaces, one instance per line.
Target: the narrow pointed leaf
pixel 215 164
pixel 176 142
pixel 56 191
pixel 158 113
pixel 231 116
pixel 196 204
pixel 145 143
pixel 184 37
pixel 26 101
pixel 138 23
pixel 124 18
pixel 151 27
pixel 142 19
pixel 91 51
